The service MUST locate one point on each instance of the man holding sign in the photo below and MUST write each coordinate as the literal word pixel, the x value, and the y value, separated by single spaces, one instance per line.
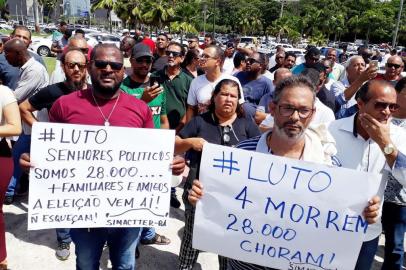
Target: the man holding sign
pixel 292 108
pixel 104 104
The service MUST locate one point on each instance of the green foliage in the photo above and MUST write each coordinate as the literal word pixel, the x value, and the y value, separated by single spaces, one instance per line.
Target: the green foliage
pixel 319 19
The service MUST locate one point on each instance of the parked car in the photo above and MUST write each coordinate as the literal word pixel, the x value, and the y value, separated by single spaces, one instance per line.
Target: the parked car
pixel 41 45
pixel 105 38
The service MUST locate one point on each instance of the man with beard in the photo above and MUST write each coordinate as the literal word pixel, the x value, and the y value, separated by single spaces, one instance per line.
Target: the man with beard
pixel 74 66
pixel 290 60
pixel 293 108
pixel 160 58
pixel 254 85
pixel 312 56
pixel 393 69
pixel 103 104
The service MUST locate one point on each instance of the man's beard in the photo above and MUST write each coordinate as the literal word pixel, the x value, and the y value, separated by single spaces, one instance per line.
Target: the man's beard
pixel 103 90
pixel 76 85
pixel 292 137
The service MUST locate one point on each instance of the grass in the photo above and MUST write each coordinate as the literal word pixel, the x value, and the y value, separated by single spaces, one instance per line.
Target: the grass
pixel 50 63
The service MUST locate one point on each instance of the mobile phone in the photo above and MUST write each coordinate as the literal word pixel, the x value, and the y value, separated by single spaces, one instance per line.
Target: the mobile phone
pixel 374 64
pixel 153 81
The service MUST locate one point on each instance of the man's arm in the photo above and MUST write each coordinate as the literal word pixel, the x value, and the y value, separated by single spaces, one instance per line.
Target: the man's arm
pixel 190 112
pixel 164 122
pixel 366 75
pixel 26 110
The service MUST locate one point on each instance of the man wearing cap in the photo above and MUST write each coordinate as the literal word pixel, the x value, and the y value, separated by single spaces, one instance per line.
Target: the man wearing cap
pixel 229 54
pixel 126 33
pixel 311 58
pixel 138 85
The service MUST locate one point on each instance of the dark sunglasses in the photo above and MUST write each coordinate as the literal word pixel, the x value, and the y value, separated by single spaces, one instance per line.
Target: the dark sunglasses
pixel 140 60
pixel 174 54
pixel 103 64
pixel 380 106
pixel 252 61
pixel 391 65
pixel 71 65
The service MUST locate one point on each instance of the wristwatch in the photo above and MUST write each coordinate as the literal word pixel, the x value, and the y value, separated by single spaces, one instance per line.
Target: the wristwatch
pixel 389 149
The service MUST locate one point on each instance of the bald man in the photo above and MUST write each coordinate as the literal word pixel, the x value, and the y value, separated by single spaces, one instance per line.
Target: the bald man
pixel 393 67
pixel 33 76
pixel 263 108
pixel 58 75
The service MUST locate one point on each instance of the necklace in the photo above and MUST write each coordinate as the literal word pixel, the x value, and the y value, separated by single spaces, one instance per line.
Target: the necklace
pixel 106 119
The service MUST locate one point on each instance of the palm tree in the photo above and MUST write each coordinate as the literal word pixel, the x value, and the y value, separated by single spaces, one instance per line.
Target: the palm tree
pixel 105 4
pixel 4 12
pixel 159 13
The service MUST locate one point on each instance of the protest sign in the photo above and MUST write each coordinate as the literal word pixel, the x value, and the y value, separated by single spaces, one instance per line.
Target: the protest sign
pixel 97 176
pixel 279 212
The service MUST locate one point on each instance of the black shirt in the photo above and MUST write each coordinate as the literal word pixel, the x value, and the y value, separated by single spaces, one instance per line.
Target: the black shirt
pixel 46 96
pixel 159 62
pixel 328 98
pixel 207 127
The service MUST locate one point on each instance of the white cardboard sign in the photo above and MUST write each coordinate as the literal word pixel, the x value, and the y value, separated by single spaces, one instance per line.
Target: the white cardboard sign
pixel 279 212
pixel 96 176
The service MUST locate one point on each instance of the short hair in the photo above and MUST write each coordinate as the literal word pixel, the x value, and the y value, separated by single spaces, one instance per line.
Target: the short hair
pixel 174 43
pixel 263 58
pixel 208 35
pixel 193 37
pixel 163 34
pixel 62 23
pixel 290 82
pixel 105 46
pixel 393 51
pixel 63 56
pixel 21 27
pixel 80 31
pixel 68 32
pixel 279 48
pixel 312 74
pixel 400 85
pixel 292 54
pixel 219 53
pixel 352 58
pixel 238 58
pixel 217 89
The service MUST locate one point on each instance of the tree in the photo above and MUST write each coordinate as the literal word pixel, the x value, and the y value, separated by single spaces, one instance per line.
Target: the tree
pixel 159 13
pixel 105 4
pixel 4 12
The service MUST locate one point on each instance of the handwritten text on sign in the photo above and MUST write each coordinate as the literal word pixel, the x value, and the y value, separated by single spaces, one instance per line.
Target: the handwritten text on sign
pixel 279 212
pixel 92 176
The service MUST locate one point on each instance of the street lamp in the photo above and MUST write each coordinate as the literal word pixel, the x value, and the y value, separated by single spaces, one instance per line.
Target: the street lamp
pixel 395 34
pixel 214 17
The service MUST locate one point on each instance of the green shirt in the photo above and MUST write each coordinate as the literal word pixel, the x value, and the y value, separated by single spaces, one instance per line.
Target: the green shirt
pixel 176 95
pixel 157 105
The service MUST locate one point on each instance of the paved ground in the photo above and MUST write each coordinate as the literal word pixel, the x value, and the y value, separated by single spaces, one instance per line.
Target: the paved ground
pixel 35 249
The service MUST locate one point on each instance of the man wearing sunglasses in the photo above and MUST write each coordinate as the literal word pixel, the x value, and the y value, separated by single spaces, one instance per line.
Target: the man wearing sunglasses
pixel 368 141
pixel 138 84
pixel 193 43
pixel 254 84
pixel 74 64
pixel 58 75
pixel 393 69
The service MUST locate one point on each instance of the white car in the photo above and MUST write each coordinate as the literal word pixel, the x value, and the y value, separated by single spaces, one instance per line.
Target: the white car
pixel 41 45
pixel 104 38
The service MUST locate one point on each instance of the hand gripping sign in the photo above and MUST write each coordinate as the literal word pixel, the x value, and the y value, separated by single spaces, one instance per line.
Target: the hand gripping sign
pixel 93 176
pixel 279 212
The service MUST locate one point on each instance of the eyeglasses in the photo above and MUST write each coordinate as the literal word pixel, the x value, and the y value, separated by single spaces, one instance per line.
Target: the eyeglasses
pixel 140 60
pixel 71 65
pixel 287 111
pixel 392 65
pixel 172 53
pixel 103 64
pixel 252 61
pixel 205 57
pixel 380 106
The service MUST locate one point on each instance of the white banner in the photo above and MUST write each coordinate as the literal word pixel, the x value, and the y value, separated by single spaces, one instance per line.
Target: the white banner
pixel 96 176
pixel 279 212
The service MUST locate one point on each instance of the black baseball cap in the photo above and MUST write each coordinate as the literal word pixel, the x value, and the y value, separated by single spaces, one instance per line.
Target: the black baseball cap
pixel 140 50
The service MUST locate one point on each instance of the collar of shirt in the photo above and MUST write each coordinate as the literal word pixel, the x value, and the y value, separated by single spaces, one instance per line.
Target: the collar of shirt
pixel 262 145
pixel 27 64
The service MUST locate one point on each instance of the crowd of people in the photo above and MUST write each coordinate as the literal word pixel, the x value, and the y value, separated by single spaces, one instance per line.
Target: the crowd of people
pixel 225 95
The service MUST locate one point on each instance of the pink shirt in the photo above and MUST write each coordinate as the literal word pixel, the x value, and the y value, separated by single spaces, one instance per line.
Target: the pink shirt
pixel 80 108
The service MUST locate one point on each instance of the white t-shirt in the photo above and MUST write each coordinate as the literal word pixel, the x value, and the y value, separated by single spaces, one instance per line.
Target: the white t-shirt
pixel 6 97
pixel 228 65
pixel 200 91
